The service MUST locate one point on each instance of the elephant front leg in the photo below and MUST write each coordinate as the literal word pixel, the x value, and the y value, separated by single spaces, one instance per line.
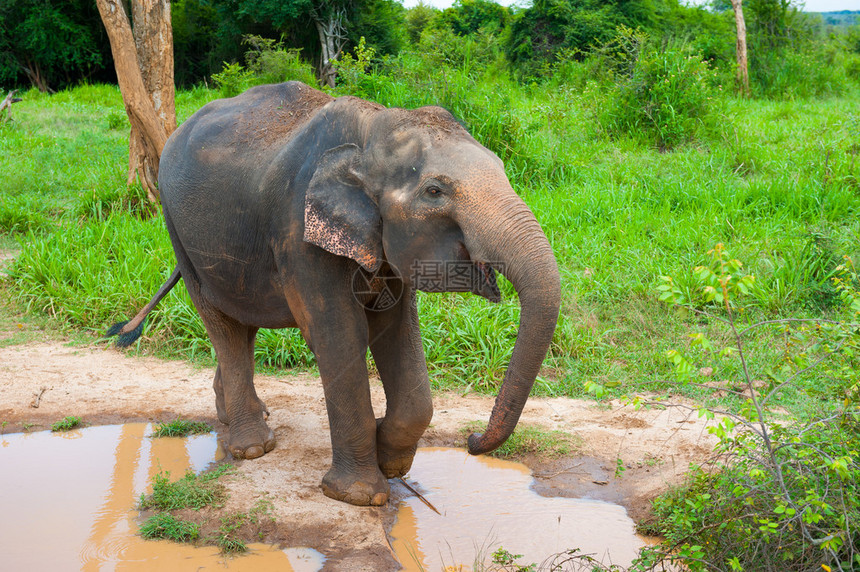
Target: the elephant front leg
pixel 395 342
pixel 354 476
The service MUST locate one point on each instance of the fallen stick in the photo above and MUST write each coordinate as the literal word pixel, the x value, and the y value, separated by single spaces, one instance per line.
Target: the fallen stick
pixel 7 104
pixel 420 496
pixel 38 397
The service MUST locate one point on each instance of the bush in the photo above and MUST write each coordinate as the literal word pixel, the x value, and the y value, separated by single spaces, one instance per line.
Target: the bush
pixel 799 73
pixel 233 79
pixel 776 491
pixel 664 96
pixel 268 61
pixel 271 62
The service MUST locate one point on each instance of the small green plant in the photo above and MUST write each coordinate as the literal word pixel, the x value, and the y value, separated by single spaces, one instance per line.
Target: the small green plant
pixel 228 537
pixel 165 526
pixel 786 492
pixel 117 120
pixel 181 428
pixel 191 491
pixel 529 440
pixel 351 68
pixel 619 468
pixel 66 423
pixel 507 561
pixel 233 79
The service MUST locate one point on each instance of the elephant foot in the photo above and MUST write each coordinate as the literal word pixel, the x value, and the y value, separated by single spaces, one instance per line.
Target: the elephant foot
pixel 395 462
pixel 362 488
pixel 250 440
pixel 221 410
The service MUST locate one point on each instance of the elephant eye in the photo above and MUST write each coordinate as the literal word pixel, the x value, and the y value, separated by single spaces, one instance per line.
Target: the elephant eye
pixel 433 191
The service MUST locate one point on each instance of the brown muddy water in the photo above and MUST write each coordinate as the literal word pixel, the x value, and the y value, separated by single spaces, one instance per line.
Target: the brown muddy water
pixel 67 503
pixel 487 503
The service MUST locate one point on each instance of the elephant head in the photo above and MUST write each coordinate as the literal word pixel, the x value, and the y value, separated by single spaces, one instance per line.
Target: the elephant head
pixel 414 190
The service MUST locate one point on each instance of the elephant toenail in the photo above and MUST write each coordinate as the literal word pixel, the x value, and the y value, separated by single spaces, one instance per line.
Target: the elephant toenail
pixel 379 499
pixel 253 452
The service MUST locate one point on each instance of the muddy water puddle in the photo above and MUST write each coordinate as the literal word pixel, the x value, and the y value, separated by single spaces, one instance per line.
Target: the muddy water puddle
pixel 486 503
pixel 67 503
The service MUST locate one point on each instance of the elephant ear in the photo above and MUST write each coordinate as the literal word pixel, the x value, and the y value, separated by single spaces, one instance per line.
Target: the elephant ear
pixel 340 217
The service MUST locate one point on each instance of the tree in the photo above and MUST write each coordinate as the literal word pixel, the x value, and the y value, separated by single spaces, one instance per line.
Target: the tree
pixel 50 42
pixel 144 69
pixel 327 17
pixel 743 74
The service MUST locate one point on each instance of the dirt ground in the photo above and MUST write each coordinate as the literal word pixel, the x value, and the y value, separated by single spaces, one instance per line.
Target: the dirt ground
pixel 103 385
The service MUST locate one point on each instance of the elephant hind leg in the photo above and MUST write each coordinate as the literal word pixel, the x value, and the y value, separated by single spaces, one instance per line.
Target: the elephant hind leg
pixel 218 385
pixel 236 399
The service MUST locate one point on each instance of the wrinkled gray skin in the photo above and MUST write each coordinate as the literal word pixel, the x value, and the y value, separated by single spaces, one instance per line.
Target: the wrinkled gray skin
pixel 276 198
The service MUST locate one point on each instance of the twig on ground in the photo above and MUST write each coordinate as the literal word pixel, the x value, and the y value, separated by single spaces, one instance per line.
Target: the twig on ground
pixel 420 496
pixel 37 398
pixel 7 104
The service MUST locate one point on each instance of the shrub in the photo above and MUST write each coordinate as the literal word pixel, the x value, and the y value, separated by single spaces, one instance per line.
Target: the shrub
pixel 663 96
pixel 270 62
pixel 233 79
pixel 776 491
pixel 801 72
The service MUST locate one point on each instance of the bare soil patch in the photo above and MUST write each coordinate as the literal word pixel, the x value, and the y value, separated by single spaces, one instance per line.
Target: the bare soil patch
pixel 103 385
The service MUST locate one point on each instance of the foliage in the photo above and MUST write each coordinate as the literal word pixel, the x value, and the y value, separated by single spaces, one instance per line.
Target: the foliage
pixel 191 491
pixel 228 536
pixel 49 41
pixel 66 423
pixel 382 23
pixel 661 95
pixel 777 490
pixel 165 526
pixel 181 428
pixel 550 26
pixel 233 79
pixel 468 17
pixel 418 18
pixel 267 61
pixel 196 45
pixel 351 67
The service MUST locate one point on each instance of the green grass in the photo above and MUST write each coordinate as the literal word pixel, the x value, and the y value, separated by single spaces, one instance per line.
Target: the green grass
pixel 181 428
pixel 191 491
pixel 66 423
pixel 776 182
pixel 529 440
pixel 165 526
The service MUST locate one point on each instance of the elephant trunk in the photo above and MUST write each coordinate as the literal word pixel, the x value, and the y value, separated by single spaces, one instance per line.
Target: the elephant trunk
pixel 508 236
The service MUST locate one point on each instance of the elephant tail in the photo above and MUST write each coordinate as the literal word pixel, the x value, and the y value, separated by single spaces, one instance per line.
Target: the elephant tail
pixel 129 331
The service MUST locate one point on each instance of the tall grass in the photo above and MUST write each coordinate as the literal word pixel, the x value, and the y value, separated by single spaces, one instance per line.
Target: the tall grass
pixel 776 181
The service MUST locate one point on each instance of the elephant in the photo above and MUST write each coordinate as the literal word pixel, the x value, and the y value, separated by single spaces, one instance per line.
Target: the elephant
pixel 287 207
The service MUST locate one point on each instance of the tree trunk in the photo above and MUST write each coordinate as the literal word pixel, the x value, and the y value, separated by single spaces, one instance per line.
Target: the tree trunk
pixel 153 40
pixel 332 35
pixel 743 76
pixel 146 81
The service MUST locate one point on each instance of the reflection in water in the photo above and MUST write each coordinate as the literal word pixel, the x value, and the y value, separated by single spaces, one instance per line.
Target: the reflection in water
pixel 486 503
pixel 68 503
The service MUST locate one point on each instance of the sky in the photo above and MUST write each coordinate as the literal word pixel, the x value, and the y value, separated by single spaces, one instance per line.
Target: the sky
pixel 810 5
